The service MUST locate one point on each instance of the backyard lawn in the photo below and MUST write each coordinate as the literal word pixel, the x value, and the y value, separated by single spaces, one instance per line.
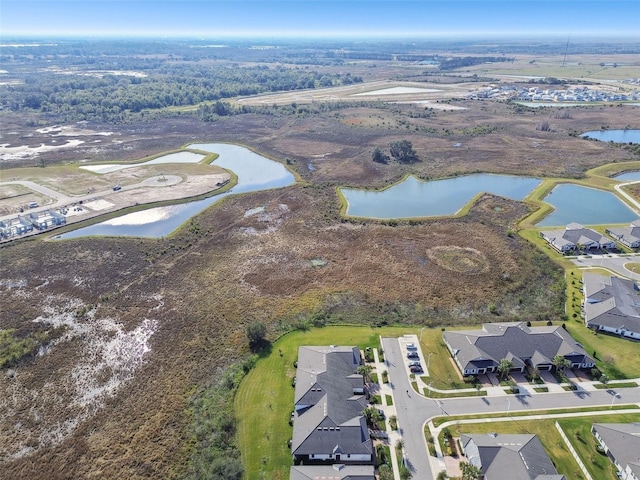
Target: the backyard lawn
pixel 578 431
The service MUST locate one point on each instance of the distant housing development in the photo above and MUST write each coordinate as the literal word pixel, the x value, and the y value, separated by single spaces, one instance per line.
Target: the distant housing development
pixel 26 223
pixel 328 424
pixel 516 457
pixel 553 94
pixel 611 304
pixel 575 236
pixel 480 351
pixel 621 442
pixel 628 236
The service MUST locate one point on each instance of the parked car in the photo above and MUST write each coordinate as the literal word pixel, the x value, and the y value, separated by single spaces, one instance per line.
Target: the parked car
pixel 412 346
pixel 381 412
pixel 413 355
pixel 414 364
pixel 116 188
pixel 416 369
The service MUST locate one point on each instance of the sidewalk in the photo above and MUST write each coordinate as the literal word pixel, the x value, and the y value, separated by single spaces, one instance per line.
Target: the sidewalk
pixel 388 410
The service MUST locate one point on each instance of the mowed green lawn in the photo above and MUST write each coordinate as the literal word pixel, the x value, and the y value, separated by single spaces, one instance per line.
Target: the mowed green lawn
pixel 578 432
pixel 264 400
pixel 553 443
pixel 618 357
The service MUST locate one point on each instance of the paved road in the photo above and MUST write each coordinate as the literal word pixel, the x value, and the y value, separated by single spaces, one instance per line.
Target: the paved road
pixel 413 410
pixel 612 262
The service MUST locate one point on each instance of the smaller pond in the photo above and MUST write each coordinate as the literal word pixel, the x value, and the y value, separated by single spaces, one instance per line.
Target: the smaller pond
pixel 178 157
pixel 587 206
pixel 415 198
pixel 628 176
pixel 616 136
pixel 254 172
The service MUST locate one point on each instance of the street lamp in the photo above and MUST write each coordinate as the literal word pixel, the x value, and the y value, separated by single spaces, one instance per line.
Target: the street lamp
pixel 429 363
pixel 508 405
pixel 613 397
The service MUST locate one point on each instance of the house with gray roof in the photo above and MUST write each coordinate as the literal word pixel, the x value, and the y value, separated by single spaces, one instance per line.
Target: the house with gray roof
pixel 575 236
pixel 337 471
pixel 611 304
pixel 621 442
pixel 328 425
pixel 516 457
pixel 480 351
pixel 629 236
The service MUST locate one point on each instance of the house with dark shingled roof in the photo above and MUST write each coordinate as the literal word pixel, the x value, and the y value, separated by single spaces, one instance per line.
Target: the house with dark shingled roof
pixel 330 396
pixel 611 304
pixel 480 351
pixel 513 457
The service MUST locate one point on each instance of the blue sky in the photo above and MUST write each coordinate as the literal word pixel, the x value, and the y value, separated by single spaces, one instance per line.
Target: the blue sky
pixel 316 18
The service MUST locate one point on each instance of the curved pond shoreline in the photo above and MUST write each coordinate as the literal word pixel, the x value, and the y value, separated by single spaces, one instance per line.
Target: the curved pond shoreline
pixel 254 173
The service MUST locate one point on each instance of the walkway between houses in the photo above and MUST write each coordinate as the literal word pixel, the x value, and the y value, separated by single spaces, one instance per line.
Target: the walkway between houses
pixel 389 410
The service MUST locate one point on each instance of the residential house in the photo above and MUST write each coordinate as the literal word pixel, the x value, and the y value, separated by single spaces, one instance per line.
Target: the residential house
pixel 513 457
pixel 332 472
pixel 621 442
pixel 480 351
pixel 611 304
pixel 328 424
pixel 629 236
pixel 575 236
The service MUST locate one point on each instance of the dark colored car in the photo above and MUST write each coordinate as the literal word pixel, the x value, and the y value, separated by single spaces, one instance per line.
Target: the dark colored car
pixel 413 355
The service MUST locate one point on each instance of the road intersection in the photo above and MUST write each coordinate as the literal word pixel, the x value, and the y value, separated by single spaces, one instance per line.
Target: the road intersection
pixel 413 410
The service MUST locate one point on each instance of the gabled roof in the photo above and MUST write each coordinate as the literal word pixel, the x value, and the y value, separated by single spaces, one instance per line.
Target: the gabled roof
pixel 328 414
pixel 612 302
pixel 623 441
pixel 516 457
pixel 332 472
pixel 575 234
pixel 630 234
pixel 512 340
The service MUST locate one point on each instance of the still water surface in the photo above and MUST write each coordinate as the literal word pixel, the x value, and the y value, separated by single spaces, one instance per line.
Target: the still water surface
pixel 587 206
pixel 413 198
pixel 617 136
pixel 254 172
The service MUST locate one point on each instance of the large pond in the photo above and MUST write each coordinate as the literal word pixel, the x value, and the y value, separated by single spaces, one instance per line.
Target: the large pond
pixel 254 172
pixel 415 198
pixel 617 136
pixel 588 206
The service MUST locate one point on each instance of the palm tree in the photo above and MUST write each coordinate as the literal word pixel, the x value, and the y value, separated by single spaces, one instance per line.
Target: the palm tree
pixel 504 368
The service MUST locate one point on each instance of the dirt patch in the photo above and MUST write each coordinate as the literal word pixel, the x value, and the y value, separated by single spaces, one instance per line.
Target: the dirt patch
pixel 459 259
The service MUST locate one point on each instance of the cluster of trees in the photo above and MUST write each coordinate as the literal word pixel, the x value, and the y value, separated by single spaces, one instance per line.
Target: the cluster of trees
pixel 401 151
pixel 103 96
pixel 459 62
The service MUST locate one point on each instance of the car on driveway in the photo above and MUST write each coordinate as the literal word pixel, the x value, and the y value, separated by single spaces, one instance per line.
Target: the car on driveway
pixel 413 355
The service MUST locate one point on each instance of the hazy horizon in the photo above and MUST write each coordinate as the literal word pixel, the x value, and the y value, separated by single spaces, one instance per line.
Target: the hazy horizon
pixel 328 19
